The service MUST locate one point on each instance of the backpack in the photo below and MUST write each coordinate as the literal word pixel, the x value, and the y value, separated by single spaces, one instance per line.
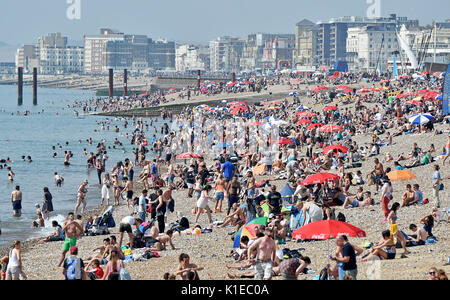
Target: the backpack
pixel 73 271
pixel 341 217
pixel 323 274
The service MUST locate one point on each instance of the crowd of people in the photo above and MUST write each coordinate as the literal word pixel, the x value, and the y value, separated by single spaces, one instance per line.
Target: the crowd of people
pixel 278 143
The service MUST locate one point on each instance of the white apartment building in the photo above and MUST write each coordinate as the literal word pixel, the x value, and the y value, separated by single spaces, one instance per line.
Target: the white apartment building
pixel 369 46
pixel 51 56
pixel 66 60
pixel 187 58
pixel 27 57
pixel 95 50
pixel 225 54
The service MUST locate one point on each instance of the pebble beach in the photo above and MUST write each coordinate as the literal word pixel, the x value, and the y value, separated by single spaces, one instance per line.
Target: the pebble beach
pixel 211 250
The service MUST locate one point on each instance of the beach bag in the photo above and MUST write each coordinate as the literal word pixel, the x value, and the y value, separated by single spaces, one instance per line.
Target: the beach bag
pixel 441 187
pixel 73 268
pixel 430 240
pixel 323 274
pixel 124 275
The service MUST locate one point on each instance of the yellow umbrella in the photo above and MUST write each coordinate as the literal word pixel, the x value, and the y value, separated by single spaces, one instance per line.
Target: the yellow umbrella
pixel 400 175
pixel 417 98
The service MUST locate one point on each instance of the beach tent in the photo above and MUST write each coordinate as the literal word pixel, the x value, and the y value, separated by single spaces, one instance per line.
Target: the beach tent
pixel 287 192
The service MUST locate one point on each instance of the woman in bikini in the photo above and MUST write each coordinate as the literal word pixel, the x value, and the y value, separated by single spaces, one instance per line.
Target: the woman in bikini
pixel 385 248
pixel 116 189
pixel 81 197
pixel 393 227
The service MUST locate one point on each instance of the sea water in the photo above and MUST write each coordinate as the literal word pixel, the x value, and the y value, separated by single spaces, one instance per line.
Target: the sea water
pixel 50 123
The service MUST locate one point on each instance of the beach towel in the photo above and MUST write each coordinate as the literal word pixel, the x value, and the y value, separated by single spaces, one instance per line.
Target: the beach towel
pixel 296 220
pixel 260 169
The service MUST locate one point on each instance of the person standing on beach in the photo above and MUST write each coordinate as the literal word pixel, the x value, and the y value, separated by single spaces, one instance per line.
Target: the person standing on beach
pixel 81 197
pixel 251 194
pixel 100 169
pixel 266 255
pixel 202 204
pixel 233 190
pixel 348 257
pixel 105 188
pixel 436 186
pixel 16 200
pixel 73 231
pixel 378 173
pixel 386 195
pixel 129 189
pixel 47 207
pixel 15 268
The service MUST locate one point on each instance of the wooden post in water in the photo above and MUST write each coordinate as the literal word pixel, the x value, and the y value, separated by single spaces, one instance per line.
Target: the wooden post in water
pixel 111 83
pixel 20 86
pixel 233 77
pixel 125 82
pixel 198 79
pixel 34 86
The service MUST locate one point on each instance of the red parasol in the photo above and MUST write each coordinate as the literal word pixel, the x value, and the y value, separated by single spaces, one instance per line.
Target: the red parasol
pixel 331 128
pixel 319 178
pixel 323 230
pixel 332 147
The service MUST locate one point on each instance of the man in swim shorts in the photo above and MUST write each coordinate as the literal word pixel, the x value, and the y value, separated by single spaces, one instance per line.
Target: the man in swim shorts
pixel 73 231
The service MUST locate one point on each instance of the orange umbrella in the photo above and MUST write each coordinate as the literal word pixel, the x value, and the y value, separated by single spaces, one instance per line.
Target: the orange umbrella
pixel 400 175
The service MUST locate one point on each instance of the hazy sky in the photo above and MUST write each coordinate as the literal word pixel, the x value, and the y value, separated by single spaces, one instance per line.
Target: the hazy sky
pixel 23 21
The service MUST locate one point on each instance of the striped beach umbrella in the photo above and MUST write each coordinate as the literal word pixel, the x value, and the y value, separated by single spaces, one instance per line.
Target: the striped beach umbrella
pixel 421 119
